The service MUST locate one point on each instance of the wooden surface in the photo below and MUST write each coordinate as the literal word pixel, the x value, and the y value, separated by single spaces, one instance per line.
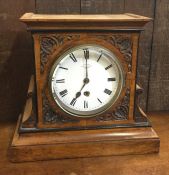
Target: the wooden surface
pixel 84 22
pixel 16 57
pixel 58 6
pixel 83 143
pixel 16 51
pixel 143 7
pixel 102 6
pixel 152 164
pixel 31 17
pixel 159 73
pixel 58 49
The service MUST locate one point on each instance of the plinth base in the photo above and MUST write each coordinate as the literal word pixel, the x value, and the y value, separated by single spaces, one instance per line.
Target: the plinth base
pixel 85 143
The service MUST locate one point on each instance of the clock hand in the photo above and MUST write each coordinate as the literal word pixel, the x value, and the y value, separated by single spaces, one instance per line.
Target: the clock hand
pixel 86 80
pixel 86 69
pixel 78 94
pixel 86 55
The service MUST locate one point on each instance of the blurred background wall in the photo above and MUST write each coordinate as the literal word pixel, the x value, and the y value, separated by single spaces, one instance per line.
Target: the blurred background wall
pixel 16 47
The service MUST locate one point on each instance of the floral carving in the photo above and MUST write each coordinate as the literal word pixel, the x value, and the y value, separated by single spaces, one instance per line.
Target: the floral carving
pixel 49 42
pixel 123 43
pixel 50 116
pixel 121 112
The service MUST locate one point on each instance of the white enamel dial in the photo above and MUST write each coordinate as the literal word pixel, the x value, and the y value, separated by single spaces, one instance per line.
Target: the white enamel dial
pixel 86 80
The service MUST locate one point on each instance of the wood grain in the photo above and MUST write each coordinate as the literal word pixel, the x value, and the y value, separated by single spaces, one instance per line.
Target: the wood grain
pixel 127 21
pixel 29 104
pixel 16 57
pixel 57 51
pixel 159 74
pixel 156 164
pixel 8 53
pixel 85 142
pixel 144 7
pixel 13 39
pixel 58 6
pixel 127 17
pixel 89 143
pixel 102 6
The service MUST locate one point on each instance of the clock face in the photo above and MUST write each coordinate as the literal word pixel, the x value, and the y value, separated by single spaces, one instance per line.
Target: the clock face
pixel 86 80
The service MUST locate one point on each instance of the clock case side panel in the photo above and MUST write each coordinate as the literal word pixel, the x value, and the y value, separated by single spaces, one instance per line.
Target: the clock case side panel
pixel 72 122
pixel 38 77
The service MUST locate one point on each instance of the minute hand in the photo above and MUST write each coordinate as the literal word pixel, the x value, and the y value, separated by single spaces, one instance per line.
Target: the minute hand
pixel 86 69
pixel 86 55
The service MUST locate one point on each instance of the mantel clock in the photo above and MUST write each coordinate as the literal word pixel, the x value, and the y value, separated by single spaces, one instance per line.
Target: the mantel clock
pixel 83 98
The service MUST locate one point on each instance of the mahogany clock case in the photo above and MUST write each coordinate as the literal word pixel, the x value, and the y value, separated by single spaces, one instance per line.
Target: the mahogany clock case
pixel 123 123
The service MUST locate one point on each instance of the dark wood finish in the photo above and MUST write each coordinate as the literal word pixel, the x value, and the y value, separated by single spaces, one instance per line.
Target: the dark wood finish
pixel 16 57
pixel 58 6
pixel 144 7
pixel 102 6
pixel 159 73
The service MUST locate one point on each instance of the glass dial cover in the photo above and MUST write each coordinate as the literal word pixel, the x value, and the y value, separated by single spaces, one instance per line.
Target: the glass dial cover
pixel 86 80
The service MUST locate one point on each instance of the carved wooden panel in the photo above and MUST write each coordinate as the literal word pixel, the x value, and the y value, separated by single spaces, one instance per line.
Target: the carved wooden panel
pixel 123 43
pixel 121 112
pixel 51 116
pixel 49 43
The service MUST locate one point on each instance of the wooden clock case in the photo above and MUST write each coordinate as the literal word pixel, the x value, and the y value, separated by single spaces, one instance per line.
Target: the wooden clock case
pixel 44 131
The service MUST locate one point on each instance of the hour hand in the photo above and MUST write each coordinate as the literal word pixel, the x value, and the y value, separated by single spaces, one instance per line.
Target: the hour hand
pixel 78 94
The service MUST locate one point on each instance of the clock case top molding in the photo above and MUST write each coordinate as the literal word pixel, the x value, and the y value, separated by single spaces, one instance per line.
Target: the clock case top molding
pixel 55 34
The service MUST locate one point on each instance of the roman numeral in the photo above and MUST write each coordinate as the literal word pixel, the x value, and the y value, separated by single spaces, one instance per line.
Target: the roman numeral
pixel 111 79
pixel 60 81
pixel 85 104
pixel 107 91
pixel 63 68
pixel 73 102
pixel 108 67
pixel 63 93
pixel 99 100
pixel 73 57
pixel 99 57
pixel 86 53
